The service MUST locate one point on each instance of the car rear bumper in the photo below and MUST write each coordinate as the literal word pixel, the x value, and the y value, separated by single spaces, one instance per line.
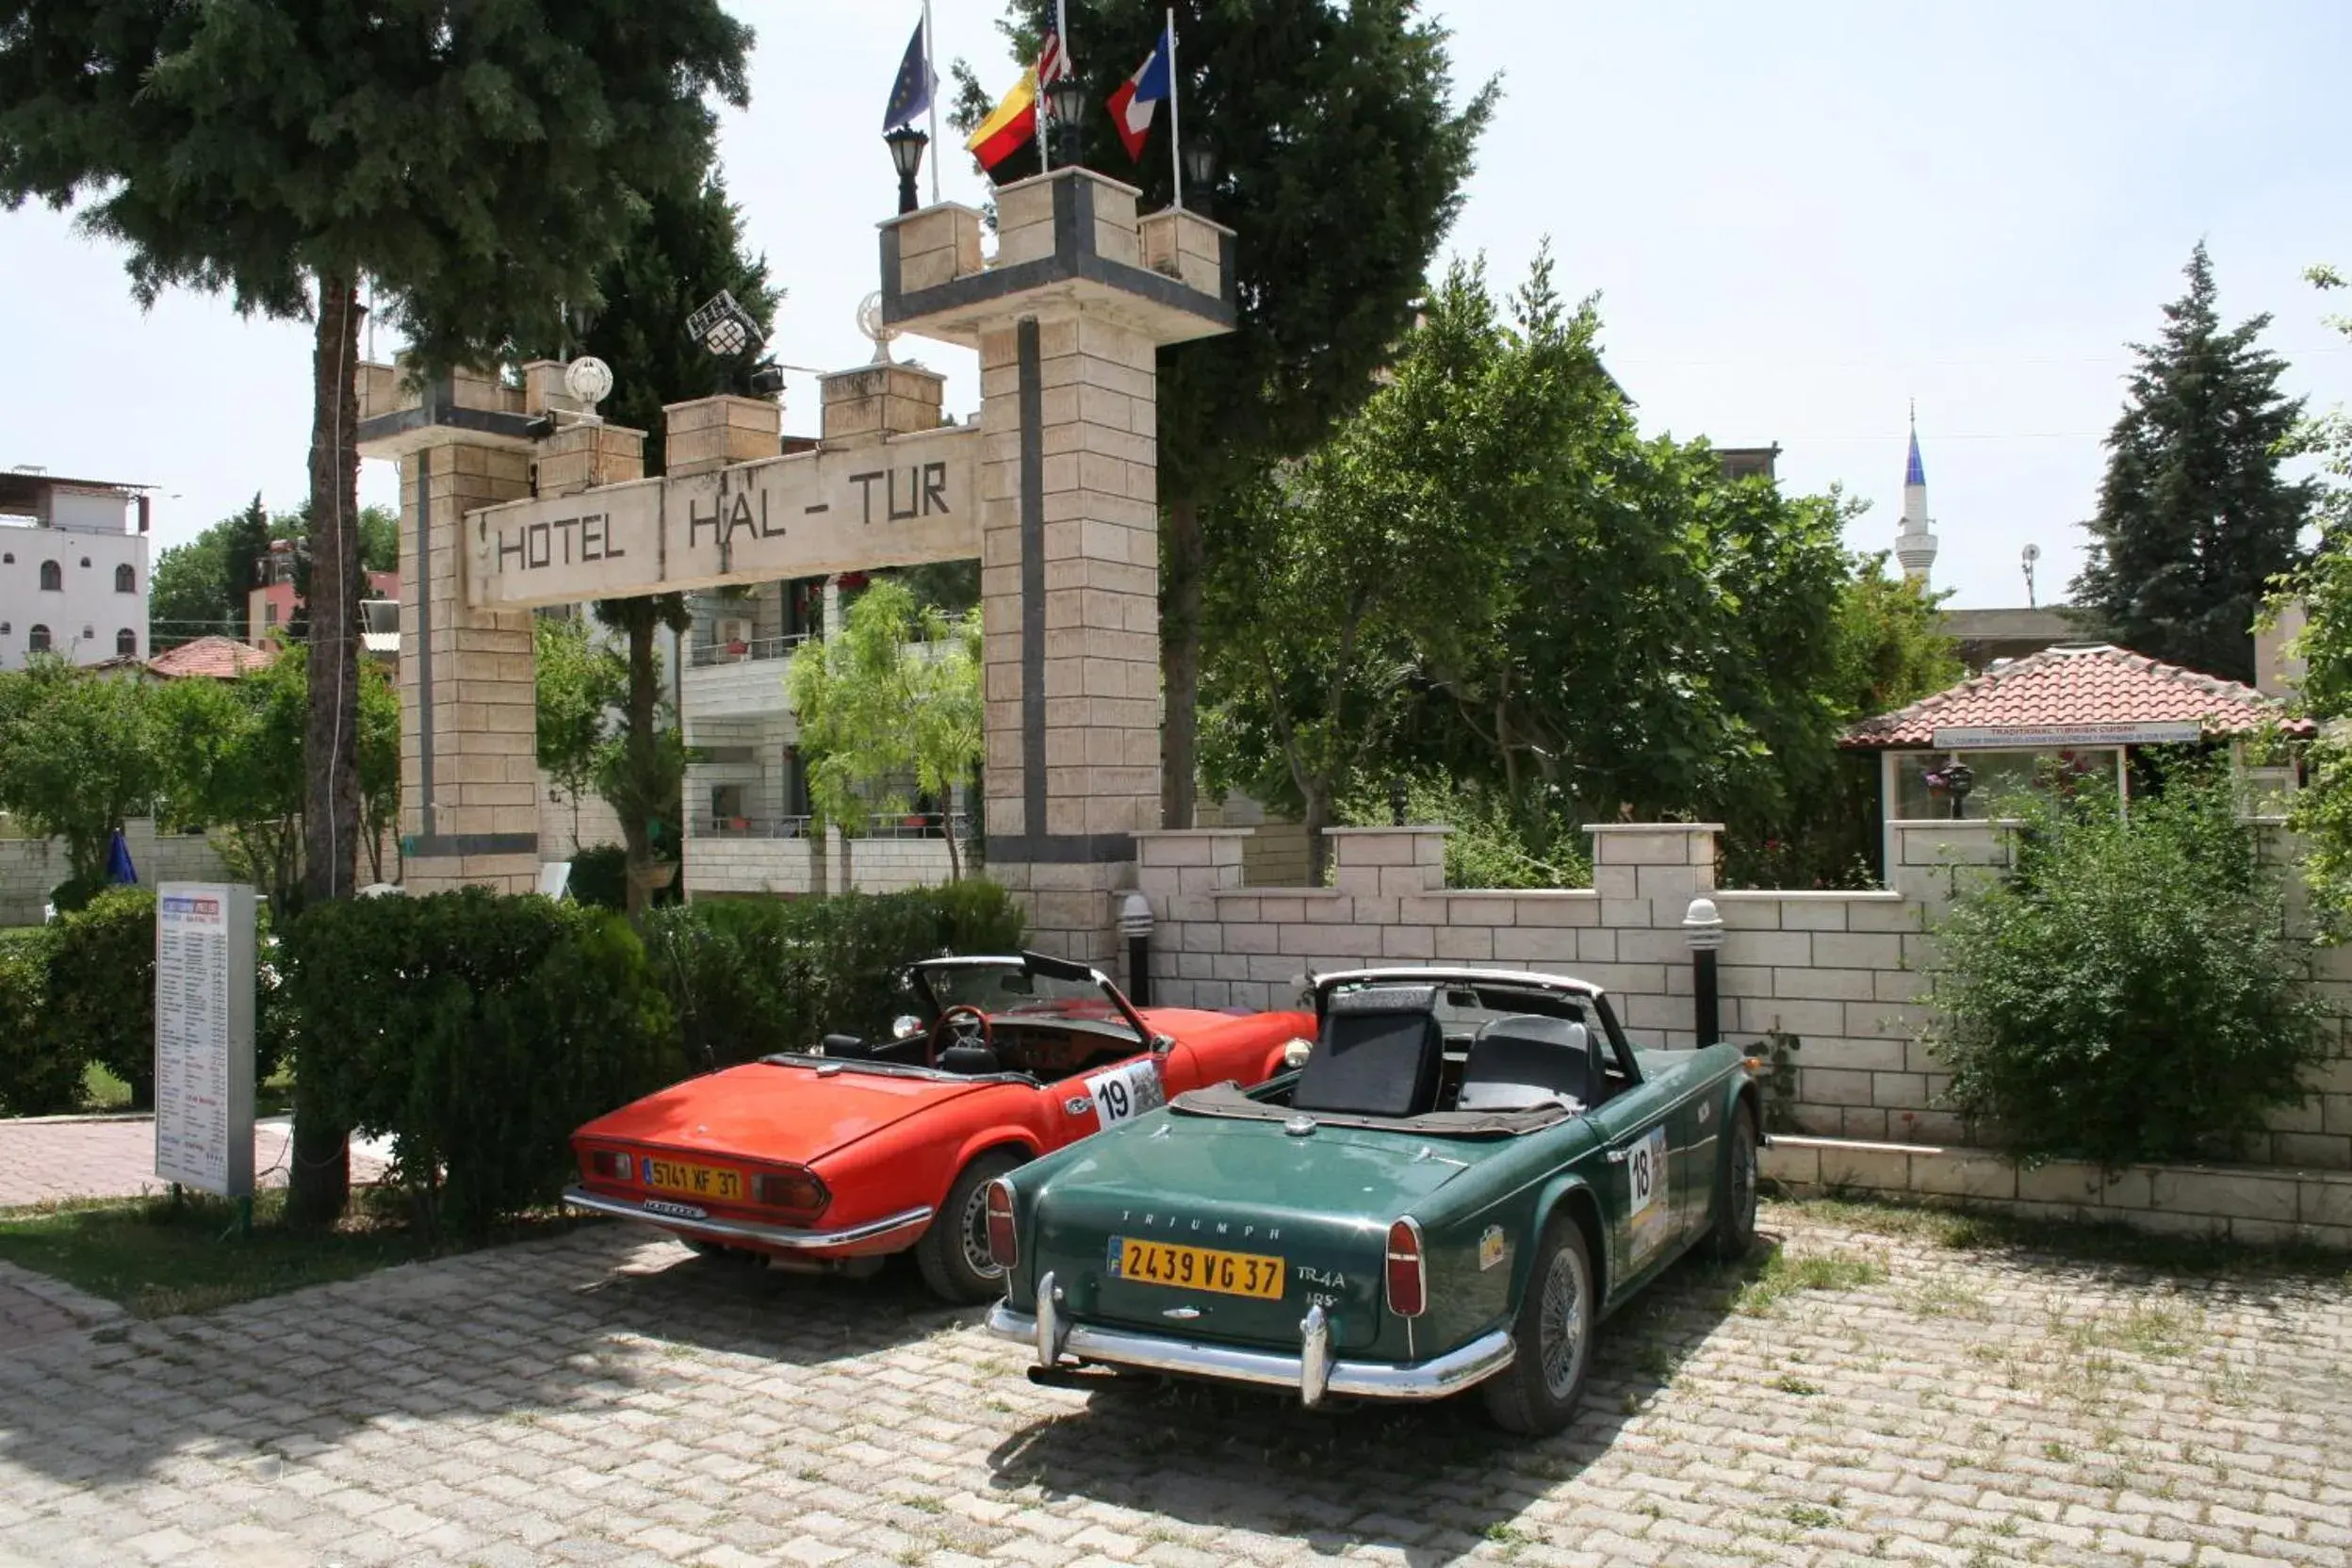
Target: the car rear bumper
pixel 1313 1372
pixel 874 1235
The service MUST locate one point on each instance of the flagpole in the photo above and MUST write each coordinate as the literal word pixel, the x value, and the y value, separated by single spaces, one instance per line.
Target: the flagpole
pixel 1175 121
pixel 930 54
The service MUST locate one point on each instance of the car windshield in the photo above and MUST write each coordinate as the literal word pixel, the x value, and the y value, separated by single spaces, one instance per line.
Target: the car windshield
pixel 1012 989
pixel 1463 1005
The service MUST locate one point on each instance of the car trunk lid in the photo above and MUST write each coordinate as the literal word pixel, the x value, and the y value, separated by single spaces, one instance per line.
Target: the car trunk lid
pixel 772 1111
pixel 1140 1229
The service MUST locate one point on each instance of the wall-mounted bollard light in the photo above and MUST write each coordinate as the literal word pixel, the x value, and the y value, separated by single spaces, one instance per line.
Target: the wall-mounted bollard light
pixel 1703 925
pixel 1134 924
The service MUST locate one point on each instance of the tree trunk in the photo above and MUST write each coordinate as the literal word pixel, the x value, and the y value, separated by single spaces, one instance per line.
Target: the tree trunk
pixel 644 696
pixel 320 1178
pixel 1180 665
pixel 1316 817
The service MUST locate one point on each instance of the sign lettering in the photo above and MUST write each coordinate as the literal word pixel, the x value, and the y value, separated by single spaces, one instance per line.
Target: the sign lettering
pixel 910 500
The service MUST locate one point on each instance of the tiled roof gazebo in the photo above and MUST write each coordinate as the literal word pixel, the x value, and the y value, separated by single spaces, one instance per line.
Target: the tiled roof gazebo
pixel 2085 706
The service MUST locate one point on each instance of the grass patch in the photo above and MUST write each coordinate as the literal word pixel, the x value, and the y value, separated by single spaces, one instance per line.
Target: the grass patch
pixel 157 1258
pixel 1784 1276
pixel 2083 1241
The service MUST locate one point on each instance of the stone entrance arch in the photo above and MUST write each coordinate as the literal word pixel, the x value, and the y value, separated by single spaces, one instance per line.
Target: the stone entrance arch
pixel 1053 490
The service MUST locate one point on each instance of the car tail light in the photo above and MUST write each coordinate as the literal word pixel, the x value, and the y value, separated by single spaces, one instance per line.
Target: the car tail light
pixel 1003 1246
pixel 610 1164
pixel 791 1188
pixel 1408 1280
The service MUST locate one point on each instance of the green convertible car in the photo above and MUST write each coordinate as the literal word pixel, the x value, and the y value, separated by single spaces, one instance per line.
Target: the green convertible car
pixel 1471 1170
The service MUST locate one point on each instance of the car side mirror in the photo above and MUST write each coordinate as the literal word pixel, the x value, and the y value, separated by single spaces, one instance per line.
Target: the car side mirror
pixel 906 1026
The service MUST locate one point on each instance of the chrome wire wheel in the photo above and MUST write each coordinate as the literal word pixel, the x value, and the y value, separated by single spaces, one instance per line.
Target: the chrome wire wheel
pixel 1560 1327
pixel 973 1232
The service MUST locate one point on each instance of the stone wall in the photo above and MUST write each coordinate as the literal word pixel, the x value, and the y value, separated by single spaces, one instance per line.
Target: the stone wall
pixel 30 867
pixel 1838 971
pixel 736 868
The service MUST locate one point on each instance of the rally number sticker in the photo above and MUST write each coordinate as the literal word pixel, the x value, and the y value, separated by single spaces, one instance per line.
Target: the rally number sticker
pixel 1124 1092
pixel 1645 1198
pixel 1646 1165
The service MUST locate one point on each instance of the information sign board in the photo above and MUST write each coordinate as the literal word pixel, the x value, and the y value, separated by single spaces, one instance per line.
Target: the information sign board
pixel 205 968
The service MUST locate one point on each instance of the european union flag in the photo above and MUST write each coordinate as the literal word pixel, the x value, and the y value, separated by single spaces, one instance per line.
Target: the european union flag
pixel 910 95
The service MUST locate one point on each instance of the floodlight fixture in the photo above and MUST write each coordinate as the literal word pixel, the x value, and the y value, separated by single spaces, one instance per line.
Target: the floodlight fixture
pixel 724 328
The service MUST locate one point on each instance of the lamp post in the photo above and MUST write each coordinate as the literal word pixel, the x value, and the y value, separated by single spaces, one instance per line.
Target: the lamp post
pixel 1702 927
pixel 1066 100
pixel 1200 172
pixel 906 146
pixel 1134 924
pixel 1959 779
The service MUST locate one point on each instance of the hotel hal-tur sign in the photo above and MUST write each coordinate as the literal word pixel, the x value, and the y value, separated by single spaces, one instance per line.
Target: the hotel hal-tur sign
pixel 901 502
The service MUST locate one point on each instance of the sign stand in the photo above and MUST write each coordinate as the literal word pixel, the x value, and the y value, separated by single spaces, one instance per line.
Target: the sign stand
pixel 204 970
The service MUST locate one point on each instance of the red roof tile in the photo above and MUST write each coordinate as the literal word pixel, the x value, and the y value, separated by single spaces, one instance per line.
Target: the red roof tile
pixel 2068 687
pixel 221 658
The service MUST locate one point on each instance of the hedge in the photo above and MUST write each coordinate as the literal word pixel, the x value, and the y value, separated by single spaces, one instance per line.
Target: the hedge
pixel 751 977
pixel 477 1031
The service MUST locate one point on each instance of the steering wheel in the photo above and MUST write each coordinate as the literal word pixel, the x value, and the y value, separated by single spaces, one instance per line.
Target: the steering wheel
pixel 961 1024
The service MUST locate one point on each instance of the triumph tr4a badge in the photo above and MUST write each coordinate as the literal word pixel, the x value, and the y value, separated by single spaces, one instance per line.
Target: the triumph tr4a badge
pixel 1491 1249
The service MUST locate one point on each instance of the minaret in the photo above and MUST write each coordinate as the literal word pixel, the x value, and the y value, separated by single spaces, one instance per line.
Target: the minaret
pixel 1915 546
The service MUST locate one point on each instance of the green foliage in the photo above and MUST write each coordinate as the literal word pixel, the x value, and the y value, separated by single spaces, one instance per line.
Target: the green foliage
pixel 232 758
pixel 79 757
pixel 600 877
pixel 2126 991
pixel 1488 575
pixel 1491 844
pixel 2194 518
pixel 890 702
pixel 379 762
pixel 583 680
pixel 751 977
pixel 100 994
pixel 2322 810
pixel 642 771
pixel 477 1032
pixel 40 1072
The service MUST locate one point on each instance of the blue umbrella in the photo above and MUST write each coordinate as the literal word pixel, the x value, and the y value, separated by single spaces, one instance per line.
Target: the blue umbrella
pixel 119 867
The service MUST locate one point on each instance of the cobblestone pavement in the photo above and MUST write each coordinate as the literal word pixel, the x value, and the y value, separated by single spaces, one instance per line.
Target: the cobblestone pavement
pixel 55 1159
pixel 33 1307
pixel 606 1398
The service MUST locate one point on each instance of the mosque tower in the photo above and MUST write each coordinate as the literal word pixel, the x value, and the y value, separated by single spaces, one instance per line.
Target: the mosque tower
pixel 1915 546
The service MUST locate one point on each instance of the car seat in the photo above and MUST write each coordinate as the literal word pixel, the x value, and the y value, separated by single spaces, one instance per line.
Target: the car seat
pixel 1379 1055
pixel 1526 1060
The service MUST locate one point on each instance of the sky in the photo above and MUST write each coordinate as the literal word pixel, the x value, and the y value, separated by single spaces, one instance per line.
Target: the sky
pixel 1798 219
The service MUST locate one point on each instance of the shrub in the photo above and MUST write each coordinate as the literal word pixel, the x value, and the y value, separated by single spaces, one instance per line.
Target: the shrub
pixel 75 892
pixel 600 877
pixel 2127 992
pixel 100 996
pixel 40 1072
pixel 477 1031
pixel 747 978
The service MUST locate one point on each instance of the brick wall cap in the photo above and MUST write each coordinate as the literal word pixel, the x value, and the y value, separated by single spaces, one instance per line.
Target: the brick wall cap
pixel 1194 832
pixel 897 218
pixel 1278 893
pixel 1350 832
pixel 1806 895
pixel 1653 827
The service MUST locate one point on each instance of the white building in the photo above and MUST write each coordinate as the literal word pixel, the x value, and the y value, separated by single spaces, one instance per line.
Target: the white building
pixel 72 568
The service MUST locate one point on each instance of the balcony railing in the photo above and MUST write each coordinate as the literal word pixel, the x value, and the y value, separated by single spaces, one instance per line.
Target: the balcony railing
pixel 703 655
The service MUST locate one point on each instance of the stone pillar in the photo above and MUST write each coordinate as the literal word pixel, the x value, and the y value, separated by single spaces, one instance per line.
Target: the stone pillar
pixel 880 399
pixel 1068 322
pixel 708 433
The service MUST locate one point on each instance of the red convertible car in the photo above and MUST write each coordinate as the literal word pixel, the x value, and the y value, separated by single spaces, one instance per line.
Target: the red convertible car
pixel 836 1157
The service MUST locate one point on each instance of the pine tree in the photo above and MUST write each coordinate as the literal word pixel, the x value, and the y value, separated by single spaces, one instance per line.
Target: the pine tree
pixel 2193 517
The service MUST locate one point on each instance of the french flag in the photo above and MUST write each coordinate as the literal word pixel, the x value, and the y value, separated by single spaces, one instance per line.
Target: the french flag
pixel 1139 97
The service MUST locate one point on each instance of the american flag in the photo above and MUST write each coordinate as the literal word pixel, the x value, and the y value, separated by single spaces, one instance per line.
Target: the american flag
pixel 1053 60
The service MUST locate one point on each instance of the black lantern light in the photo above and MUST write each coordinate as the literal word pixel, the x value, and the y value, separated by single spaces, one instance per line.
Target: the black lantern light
pixel 1066 100
pixel 1200 172
pixel 1396 802
pixel 1959 779
pixel 906 146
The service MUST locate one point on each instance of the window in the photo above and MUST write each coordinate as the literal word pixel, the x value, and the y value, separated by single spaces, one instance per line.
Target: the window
pixel 52 577
pixel 38 641
pixel 85 562
pixel 9 559
pixel 126 580
pixel 270 613
pixel 126 641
